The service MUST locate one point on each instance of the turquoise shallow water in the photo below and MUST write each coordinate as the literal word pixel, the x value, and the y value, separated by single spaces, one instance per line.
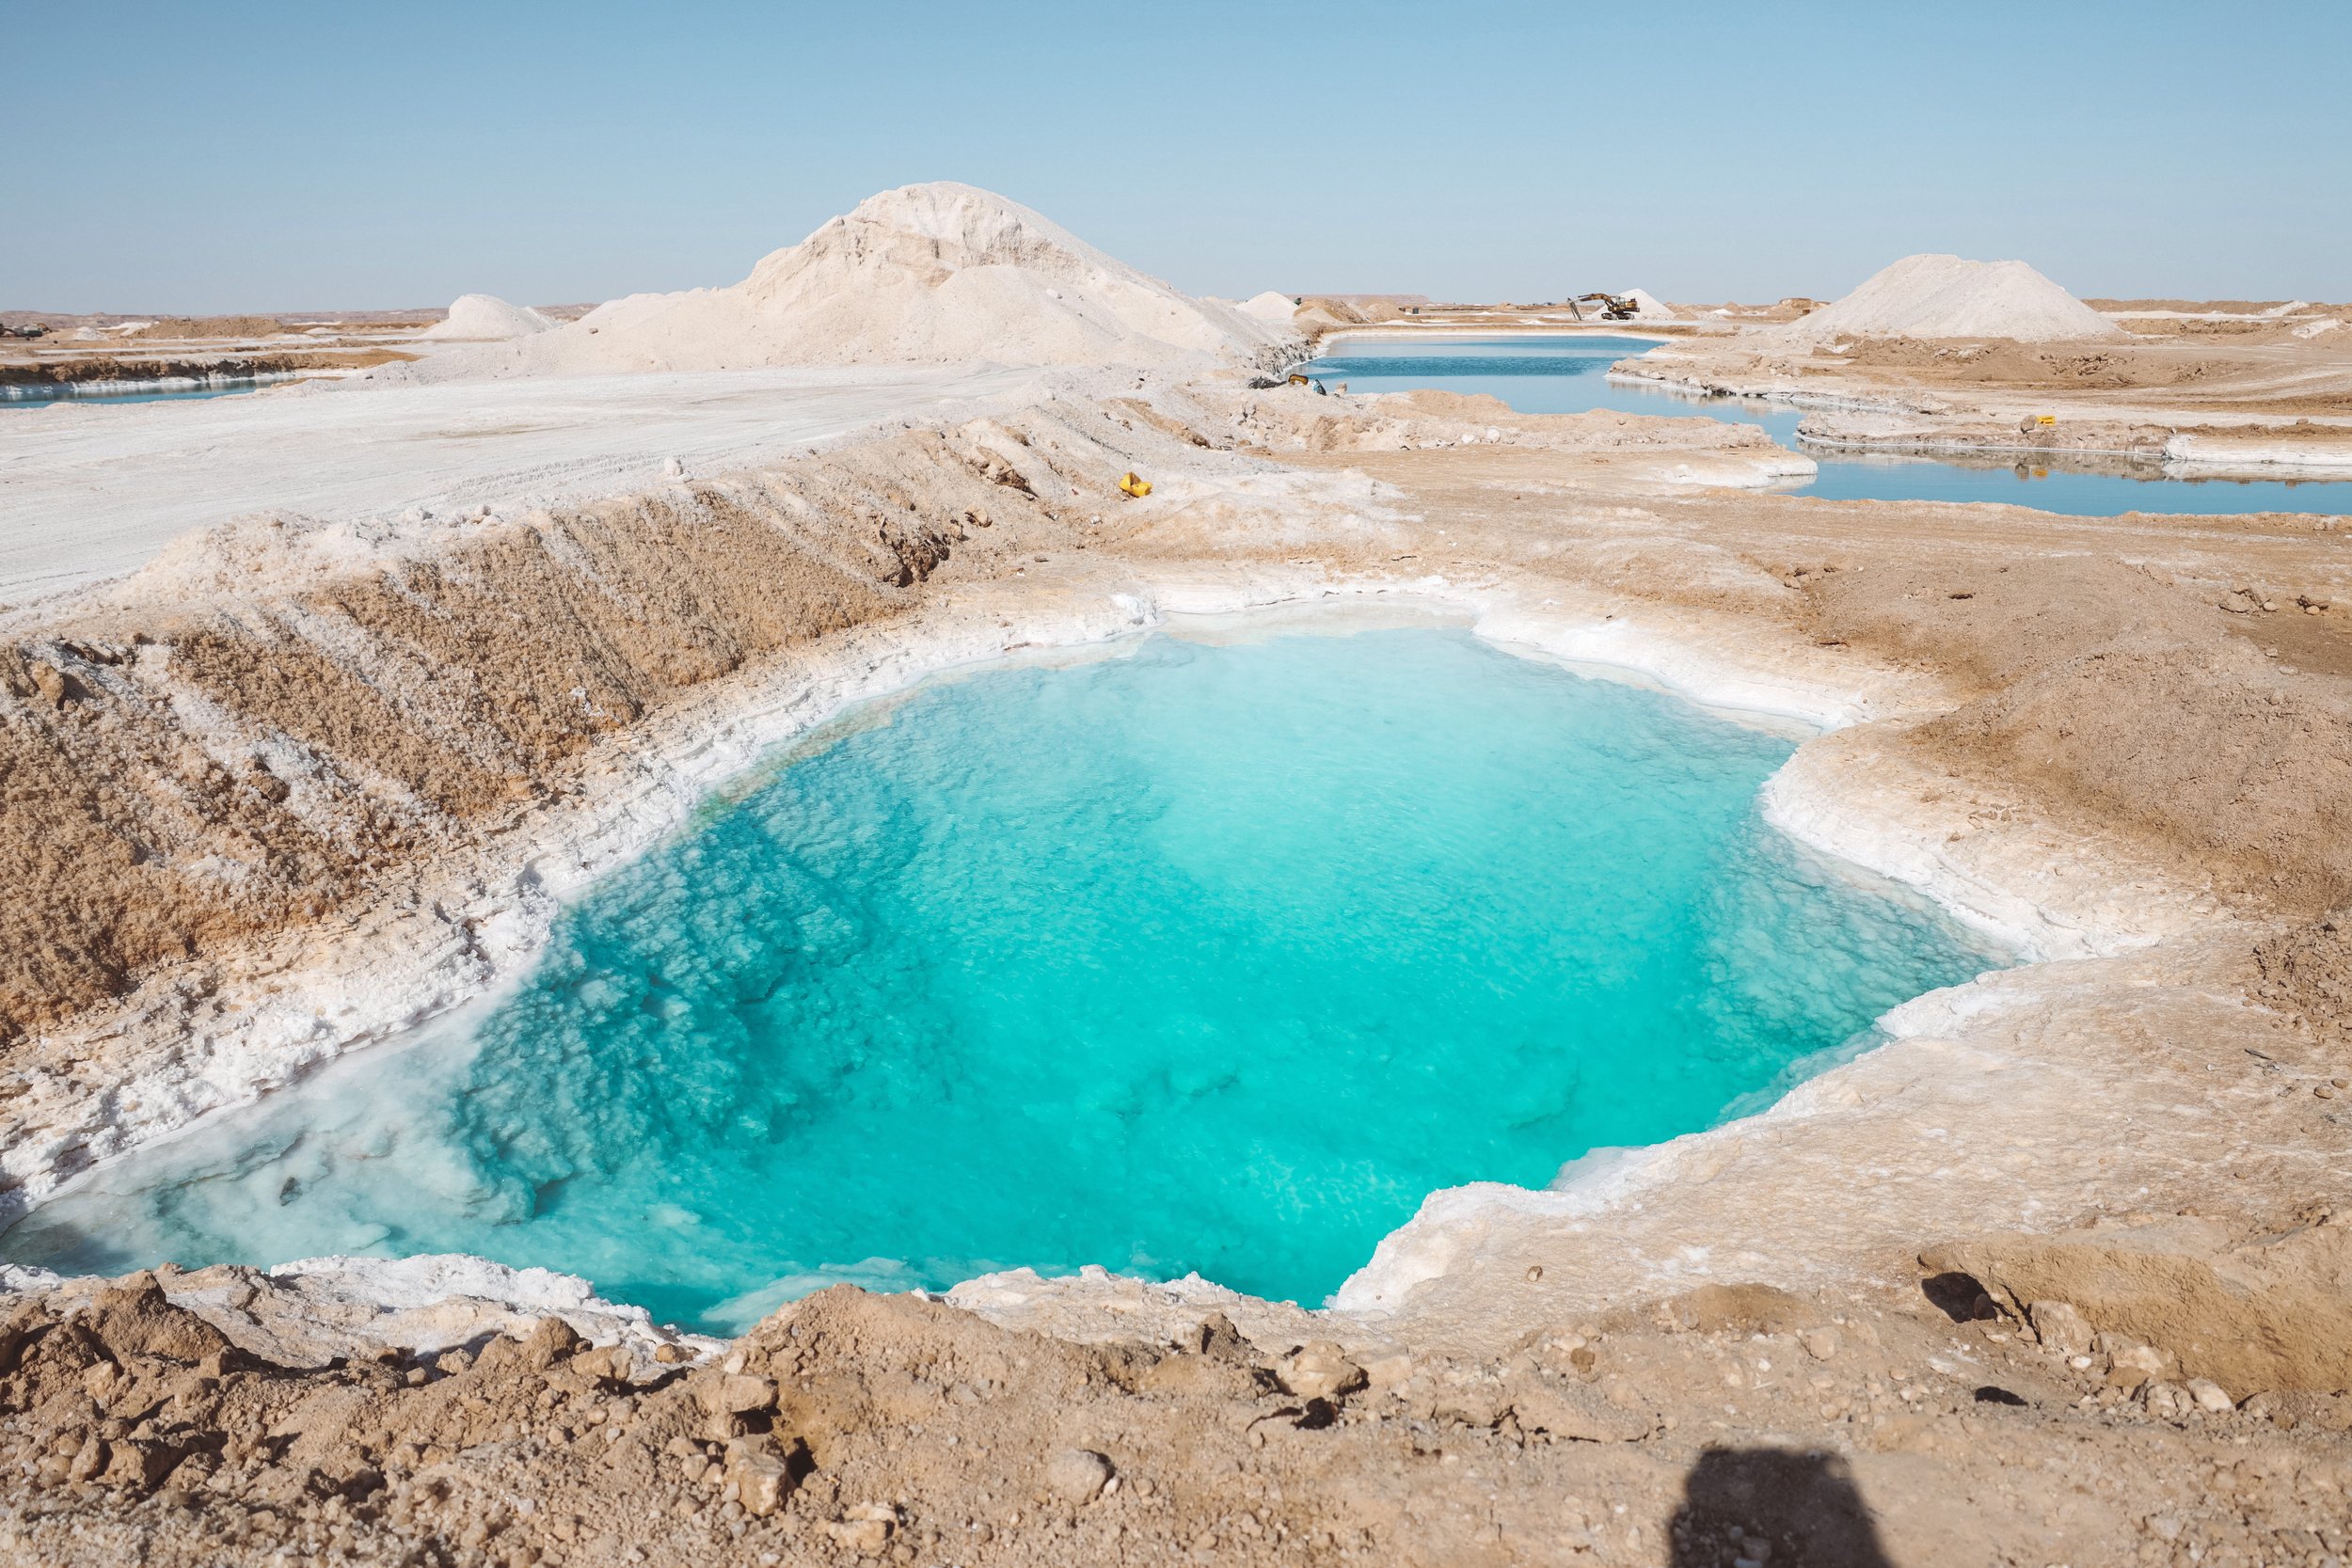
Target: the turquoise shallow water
pixel 1570 376
pixel 1204 957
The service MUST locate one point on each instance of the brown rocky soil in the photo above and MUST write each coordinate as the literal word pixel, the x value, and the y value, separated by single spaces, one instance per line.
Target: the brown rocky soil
pixel 1984 1420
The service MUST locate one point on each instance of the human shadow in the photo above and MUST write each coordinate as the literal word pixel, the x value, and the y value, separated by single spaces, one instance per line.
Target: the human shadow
pixel 1803 1503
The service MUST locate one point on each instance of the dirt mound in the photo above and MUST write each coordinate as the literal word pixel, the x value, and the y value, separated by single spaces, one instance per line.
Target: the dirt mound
pixel 1990 623
pixel 930 274
pixel 210 326
pixel 1945 296
pixel 2307 973
pixel 486 316
pixel 2239 767
pixel 2263 1314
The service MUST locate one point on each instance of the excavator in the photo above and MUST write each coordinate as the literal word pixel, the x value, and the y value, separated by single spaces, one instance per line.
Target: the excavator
pixel 35 331
pixel 1613 308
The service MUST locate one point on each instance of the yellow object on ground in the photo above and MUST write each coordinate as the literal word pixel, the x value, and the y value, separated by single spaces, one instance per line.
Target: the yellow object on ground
pixel 1135 486
pixel 2046 419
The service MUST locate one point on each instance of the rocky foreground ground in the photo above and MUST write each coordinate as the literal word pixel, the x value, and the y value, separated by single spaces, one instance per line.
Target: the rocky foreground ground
pixel 1727 1425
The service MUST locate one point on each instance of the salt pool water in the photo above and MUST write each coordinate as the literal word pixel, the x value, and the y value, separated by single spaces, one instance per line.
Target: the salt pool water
pixel 1569 375
pixel 1213 957
pixel 44 397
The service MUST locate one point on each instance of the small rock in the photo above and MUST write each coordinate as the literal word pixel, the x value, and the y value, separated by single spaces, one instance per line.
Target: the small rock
pixel 761 1480
pixel 2210 1396
pixel 1319 1371
pixel 1076 1476
pixel 868 1535
pixel 736 1394
pixel 550 1340
pixel 2129 1366
pixel 2060 1326
pixel 2167 1401
pixel 89 1459
pixel 1820 1342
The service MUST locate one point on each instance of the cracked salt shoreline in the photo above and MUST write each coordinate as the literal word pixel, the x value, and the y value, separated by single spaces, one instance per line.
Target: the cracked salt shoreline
pixel 465 952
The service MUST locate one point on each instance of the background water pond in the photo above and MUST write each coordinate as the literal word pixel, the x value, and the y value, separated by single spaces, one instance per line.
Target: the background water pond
pixel 1569 375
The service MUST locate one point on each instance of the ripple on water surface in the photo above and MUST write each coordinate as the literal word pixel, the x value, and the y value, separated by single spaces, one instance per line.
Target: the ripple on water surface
pixel 1213 957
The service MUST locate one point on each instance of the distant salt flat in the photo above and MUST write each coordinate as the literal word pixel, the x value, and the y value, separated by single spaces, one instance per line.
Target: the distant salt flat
pixel 92 492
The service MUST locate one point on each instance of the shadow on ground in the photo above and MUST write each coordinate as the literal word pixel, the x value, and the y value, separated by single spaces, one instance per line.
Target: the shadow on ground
pixel 1805 1504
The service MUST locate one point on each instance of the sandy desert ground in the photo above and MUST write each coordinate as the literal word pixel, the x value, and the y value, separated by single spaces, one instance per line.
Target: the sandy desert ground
pixel 309 746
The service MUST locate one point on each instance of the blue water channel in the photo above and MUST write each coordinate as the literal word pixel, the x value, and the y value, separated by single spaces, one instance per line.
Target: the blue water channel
pixel 1195 955
pixel 1569 375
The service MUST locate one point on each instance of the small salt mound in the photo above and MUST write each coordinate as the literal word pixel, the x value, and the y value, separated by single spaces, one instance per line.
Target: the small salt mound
pixel 1945 296
pixel 2313 329
pixel 931 274
pixel 1271 307
pixel 1646 307
pixel 485 316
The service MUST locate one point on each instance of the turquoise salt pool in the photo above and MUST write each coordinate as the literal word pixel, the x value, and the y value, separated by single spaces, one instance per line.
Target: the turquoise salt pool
pixel 1199 955
pixel 1570 376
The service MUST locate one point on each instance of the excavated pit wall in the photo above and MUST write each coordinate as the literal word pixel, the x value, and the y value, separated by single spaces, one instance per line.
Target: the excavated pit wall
pixel 310 804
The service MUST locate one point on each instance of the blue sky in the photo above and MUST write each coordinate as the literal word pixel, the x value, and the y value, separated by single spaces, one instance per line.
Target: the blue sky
pixel 226 155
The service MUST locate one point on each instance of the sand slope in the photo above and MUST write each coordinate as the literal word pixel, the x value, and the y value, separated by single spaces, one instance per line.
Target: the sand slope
pixel 1946 296
pixel 925 274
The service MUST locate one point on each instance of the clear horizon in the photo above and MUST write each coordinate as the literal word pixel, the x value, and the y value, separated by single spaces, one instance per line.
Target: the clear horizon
pixel 274 156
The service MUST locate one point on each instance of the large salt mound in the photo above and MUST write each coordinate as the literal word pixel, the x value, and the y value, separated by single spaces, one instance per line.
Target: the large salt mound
pixel 1944 296
pixel 925 274
pixel 488 316
pixel 1271 307
pixel 1646 307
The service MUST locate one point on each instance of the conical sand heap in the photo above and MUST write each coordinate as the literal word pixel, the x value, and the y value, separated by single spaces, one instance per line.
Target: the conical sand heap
pixel 925 274
pixel 1945 296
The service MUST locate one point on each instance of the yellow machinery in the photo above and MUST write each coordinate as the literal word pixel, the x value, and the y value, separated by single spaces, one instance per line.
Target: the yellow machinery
pixel 1613 308
pixel 1135 487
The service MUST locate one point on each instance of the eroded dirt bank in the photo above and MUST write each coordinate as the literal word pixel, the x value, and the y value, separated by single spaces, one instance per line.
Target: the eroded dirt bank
pixel 292 770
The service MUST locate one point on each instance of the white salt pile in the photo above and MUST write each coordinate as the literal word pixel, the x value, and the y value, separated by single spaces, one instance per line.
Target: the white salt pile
pixel 1648 307
pixel 930 274
pixel 486 316
pixel 1271 307
pixel 1944 296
